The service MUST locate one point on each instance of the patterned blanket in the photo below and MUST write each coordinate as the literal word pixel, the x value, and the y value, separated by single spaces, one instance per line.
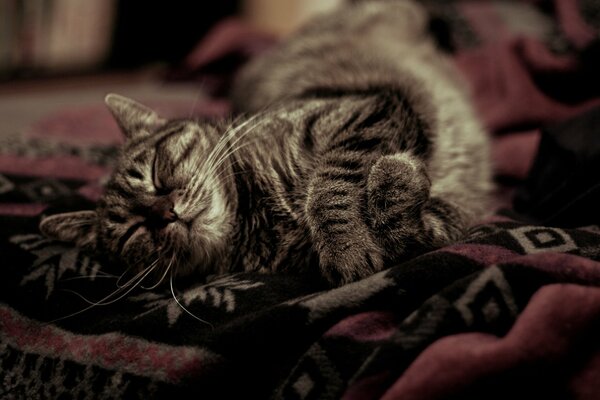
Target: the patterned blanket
pixel 511 311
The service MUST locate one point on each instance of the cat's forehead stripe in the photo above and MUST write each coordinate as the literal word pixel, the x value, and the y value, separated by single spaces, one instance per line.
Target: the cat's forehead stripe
pixel 153 138
pixel 140 156
pixel 140 150
pixel 187 151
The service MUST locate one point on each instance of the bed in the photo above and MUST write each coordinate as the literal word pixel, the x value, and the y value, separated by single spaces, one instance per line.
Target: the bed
pixel 511 311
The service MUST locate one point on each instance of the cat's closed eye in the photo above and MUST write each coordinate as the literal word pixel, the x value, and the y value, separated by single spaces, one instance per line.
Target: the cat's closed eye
pixel 135 173
pixel 159 185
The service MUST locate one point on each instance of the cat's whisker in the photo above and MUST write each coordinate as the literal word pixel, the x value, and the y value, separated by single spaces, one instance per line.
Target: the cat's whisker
pixel 232 125
pixel 159 281
pixel 98 272
pixel 119 284
pixel 227 131
pixel 195 103
pixel 74 278
pixel 231 132
pixel 82 297
pixel 248 130
pixel 181 305
pixel 223 149
pixel 223 177
pixel 136 278
pixel 223 141
pixel 229 154
pixel 213 170
pixel 93 274
pixel 208 169
pixel 134 282
pixel 230 150
pixel 75 224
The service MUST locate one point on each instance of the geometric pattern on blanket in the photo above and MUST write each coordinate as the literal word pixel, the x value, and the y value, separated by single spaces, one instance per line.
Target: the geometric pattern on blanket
pixel 286 335
pixel 512 311
pixel 536 239
pixel 518 300
pixel 370 351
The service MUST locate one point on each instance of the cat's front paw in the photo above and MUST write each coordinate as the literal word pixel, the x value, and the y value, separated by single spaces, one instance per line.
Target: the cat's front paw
pixel 343 263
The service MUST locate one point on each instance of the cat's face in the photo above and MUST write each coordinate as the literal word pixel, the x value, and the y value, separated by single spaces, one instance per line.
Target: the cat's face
pixel 168 204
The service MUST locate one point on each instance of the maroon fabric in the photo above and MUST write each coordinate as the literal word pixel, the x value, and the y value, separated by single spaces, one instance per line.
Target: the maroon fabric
pixel 513 311
pixel 503 79
pixel 216 58
pixel 517 81
pixel 551 339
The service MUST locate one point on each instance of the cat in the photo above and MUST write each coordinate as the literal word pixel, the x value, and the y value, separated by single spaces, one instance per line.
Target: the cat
pixel 356 148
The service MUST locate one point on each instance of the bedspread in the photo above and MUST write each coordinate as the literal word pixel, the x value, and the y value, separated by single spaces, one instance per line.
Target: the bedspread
pixel 512 310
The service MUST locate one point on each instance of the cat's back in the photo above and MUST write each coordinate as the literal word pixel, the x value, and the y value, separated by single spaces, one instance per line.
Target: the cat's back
pixel 356 47
pixel 380 45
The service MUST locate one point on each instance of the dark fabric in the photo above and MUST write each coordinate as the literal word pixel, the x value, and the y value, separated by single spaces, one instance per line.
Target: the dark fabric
pixel 513 310
pixel 563 186
pixel 517 299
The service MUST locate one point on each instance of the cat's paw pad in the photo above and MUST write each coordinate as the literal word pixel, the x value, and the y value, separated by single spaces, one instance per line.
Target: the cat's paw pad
pixel 397 185
pixel 348 263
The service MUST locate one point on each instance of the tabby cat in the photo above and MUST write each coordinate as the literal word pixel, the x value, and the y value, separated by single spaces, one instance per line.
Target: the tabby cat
pixel 357 148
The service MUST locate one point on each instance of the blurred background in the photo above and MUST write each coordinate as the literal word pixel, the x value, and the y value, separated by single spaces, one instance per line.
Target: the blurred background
pixel 528 64
pixel 50 38
pixel 59 58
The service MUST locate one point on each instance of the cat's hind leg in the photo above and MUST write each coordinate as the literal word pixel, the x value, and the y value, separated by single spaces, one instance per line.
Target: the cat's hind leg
pixel 404 217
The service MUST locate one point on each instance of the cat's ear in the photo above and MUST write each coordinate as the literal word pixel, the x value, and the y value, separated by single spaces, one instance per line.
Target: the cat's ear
pixel 78 227
pixel 133 118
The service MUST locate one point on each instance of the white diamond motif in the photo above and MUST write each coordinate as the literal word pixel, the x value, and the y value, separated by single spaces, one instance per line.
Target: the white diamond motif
pixel 536 239
pixel 303 385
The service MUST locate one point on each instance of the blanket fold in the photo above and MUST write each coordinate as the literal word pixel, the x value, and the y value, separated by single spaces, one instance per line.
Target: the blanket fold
pixel 511 310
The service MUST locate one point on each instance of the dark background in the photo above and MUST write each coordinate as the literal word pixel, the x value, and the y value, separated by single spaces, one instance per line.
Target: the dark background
pixel 162 31
pixel 137 32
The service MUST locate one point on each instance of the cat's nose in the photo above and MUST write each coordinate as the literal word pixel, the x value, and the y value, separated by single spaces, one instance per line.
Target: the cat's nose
pixel 162 211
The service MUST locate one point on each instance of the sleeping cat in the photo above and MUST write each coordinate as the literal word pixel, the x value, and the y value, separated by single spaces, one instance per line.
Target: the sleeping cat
pixel 356 148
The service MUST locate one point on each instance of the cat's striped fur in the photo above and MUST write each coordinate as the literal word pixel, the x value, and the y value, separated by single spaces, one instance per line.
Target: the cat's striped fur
pixel 358 149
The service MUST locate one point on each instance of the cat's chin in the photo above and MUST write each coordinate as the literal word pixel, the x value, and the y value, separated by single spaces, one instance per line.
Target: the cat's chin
pixel 202 257
pixel 207 237
pixel 179 251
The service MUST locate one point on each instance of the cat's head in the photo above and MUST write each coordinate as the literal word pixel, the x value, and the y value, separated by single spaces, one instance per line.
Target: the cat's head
pixel 168 203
